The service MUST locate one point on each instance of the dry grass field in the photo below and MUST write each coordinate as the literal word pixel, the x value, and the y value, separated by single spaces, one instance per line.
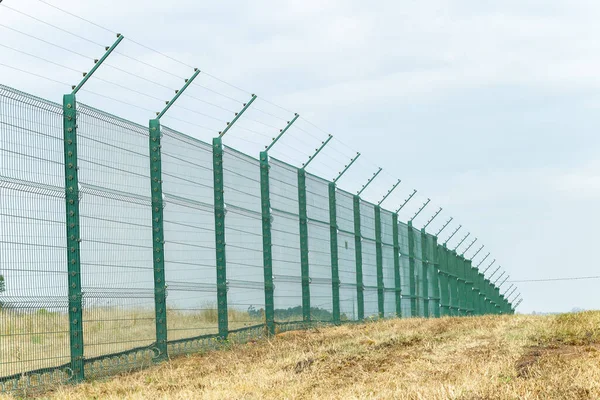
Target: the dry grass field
pixel 491 357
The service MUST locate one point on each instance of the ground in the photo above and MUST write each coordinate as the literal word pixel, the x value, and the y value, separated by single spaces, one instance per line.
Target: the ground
pixel 490 357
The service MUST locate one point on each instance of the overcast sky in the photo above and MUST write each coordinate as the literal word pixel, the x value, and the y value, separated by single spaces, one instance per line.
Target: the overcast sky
pixel 488 108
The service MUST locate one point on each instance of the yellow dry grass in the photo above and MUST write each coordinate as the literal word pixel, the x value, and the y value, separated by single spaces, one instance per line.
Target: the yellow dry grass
pixel 490 357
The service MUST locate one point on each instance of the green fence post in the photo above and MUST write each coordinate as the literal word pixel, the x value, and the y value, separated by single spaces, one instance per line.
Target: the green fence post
pixel 411 270
pixel 397 276
pixel 267 242
pixel 158 236
pixel 303 222
pixel 444 293
pixel 333 242
pixel 73 236
pixel 425 261
pixel 303 218
pixel 219 201
pixel 379 262
pixel 75 299
pixel 160 305
pixel 411 253
pixel 360 288
pixel 435 275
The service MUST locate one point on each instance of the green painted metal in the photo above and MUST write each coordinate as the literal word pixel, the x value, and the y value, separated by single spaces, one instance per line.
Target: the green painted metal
pixel 444 226
pixel 435 277
pixel 411 270
pixel 461 241
pixel 88 75
pixel 160 304
pixel 237 116
pixel 366 185
pixel 333 243
pixel 178 93
pixel 379 263
pixel 267 242
pixel 219 207
pixel 346 168
pixel 317 151
pixel 430 220
pixel 282 132
pixel 303 220
pixel 470 293
pixel 420 210
pixel 73 235
pixel 452 235
pixel 360 288
pixel 407 200
pixel 443 281
pixel 425 263
pixel 389 192
pixel 397 275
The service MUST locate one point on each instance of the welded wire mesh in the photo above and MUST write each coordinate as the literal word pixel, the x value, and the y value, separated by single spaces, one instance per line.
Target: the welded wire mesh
pixel 389 281
pixel 116 234
pixel 243 233
pixel 418 271
pixel 34 328
pixel 346 255
pixel 404 269
pixel 369 256
pixel 283 181
pixel 319 248
pixel 190 268
pixel 121 285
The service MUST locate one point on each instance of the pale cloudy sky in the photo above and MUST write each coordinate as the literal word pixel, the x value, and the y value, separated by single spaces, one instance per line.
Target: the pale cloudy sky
pixel 488 108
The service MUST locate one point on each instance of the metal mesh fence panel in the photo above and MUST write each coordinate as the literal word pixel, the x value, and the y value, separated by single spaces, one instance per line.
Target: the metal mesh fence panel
pixel 34 326
pixel 190 269
pixel 116 231
pixel 346 256
pixel 243 233
pixel 287 279
pixel 367 226
pixel 404 269
pixel 319 256
pixel 432 281
pixel 418 272
pixel 389 282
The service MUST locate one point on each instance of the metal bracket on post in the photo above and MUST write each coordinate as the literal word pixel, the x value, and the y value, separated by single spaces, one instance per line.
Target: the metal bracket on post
pixel 432 218
pixel 369 181
pixel 499 277
pixel 461 241
pixel 346 167
pixel 483 259
pixel 493 273
pixel 303 222
pixel 73 227
pixel 452 235
pixel 477 252
pixel 282 132
pixel 420 209
pixel 510 287
pixel 407 200
pixel 97 63
pixel 389 192
pixel 468 247
pixel 237 115
pixel 444 226
pixel 265 198
pixel 488 267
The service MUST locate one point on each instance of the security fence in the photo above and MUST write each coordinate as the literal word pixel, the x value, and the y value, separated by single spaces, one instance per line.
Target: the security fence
pixel 123 245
